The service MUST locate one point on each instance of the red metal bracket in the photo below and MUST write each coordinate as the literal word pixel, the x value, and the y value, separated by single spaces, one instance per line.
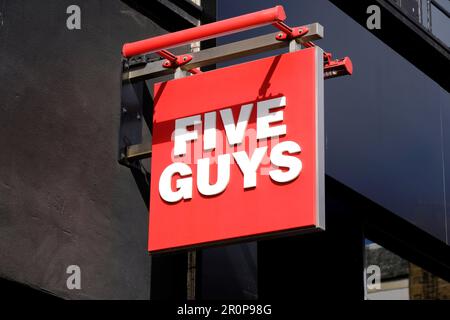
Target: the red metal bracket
pixel 338 68
pixel 172 61
pixel 334 68
pixel 288 33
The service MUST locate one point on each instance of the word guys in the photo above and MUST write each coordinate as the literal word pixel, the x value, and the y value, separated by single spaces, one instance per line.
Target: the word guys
pixel 286 166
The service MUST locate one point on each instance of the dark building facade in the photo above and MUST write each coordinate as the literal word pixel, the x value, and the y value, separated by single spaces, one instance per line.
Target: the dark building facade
pixel 66 200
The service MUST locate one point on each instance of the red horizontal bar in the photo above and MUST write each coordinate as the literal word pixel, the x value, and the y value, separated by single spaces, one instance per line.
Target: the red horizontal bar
pixel 204 32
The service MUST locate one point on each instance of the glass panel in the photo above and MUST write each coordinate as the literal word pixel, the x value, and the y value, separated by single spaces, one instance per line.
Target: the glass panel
pixel 390 277
pixel 440 25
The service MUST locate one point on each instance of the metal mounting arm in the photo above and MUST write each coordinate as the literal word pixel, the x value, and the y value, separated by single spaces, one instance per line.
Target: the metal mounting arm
pixel 274 16
pixel 334 68
pixel 146 68
pixel 240 49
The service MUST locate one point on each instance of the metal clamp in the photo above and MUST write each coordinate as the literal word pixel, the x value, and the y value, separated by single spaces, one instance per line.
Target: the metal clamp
pixel 334 68
pixel 172 61
pixel 288 33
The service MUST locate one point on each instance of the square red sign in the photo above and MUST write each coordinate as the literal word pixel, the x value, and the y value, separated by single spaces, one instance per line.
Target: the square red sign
pixel 238 152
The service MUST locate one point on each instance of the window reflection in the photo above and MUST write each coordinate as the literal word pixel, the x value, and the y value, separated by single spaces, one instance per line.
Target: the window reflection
pixel 399 279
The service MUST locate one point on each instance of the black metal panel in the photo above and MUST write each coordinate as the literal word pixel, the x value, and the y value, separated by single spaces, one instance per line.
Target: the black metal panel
pixel 209 16
pixel 445 111
pixel 169 277
pixel 132 108
pixel 309 267
pixel 229 272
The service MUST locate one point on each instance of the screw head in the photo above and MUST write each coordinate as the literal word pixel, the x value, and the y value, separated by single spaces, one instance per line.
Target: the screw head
pixel 184 58
pixel 280 35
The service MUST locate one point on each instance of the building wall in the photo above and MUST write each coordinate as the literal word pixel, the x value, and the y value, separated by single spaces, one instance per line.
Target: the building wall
pixel 64 199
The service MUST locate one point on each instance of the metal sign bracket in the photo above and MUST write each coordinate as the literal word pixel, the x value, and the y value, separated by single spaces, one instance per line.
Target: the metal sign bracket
pixel 140 65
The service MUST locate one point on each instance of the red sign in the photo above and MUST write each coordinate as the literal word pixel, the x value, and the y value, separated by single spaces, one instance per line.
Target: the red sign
pixel 238 152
